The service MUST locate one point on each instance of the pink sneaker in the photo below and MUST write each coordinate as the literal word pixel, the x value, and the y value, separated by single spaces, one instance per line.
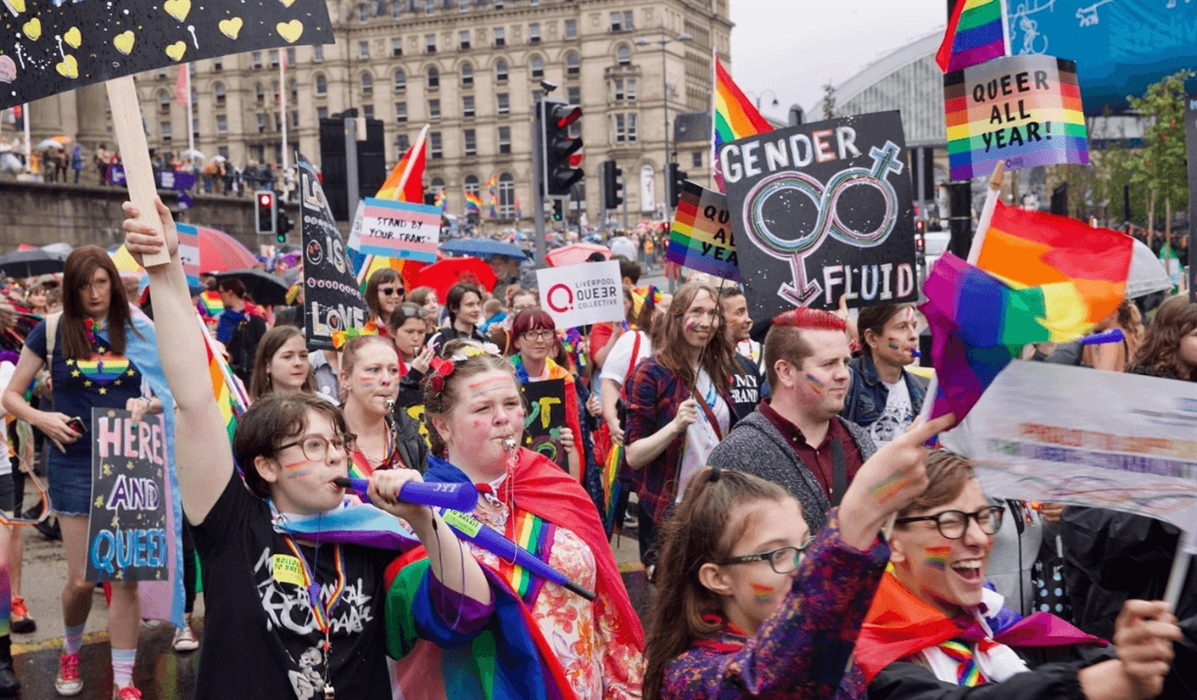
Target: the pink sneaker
pixel 67 682
pixel 126 693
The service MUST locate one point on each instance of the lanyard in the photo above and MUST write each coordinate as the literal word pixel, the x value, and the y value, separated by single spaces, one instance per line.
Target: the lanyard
pixel 321 612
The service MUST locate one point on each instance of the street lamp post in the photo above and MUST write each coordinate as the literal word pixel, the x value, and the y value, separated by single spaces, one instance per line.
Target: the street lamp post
pixel 761 96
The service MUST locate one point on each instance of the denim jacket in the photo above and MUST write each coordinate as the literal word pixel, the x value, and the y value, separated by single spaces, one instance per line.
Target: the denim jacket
pixel 867 395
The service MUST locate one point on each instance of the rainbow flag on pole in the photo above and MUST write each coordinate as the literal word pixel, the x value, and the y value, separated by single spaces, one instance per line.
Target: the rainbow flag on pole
pixel 491 185
pixel 473 203
pixel 976 33
pixel 735 116
pixel 230 396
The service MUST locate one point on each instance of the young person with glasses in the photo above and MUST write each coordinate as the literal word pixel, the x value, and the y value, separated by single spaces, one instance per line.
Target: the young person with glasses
pixel 934 631
pixel 749 603
pixel 384 294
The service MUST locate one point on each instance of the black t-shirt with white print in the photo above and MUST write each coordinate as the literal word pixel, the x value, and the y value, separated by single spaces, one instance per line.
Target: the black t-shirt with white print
pixel 260 634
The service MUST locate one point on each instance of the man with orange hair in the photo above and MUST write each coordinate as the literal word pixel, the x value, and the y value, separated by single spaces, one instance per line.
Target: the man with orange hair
pixel 796 438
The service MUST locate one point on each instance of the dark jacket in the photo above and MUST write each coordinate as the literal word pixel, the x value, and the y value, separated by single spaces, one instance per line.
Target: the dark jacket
pixel 447 333
pixel 412 446
pixel 243 345
pixel 755 446
pixel 867 394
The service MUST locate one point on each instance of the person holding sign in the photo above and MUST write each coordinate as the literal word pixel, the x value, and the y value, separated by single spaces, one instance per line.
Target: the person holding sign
pixel 679 406
pixel 369 384
pixel 535 337
pixel 935 632
pixel 464 306
pixel 97 354
pixel 290 614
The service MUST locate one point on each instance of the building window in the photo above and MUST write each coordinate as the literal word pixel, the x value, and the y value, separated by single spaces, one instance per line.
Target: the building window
pixel 573 64
pixel 400 80
pixel 464 5
pixel 274 90
pixel 467 106
pixel 165 126
pixel 291 60
pixel 467 74
pixel 533 3
pixel 627 21
pixel 278 123
pixel 501 71
pixel 434 109
pixel 260 92
pixel 631 128
pixel 321 84
pixel 617 87
pixel 295 120
pixel 631 91
pixel 223 151
pixel 575 96
pixel 260 152
pixel 368 111
pixel 471 143
pixel 429 7
pixel 463 38
pixel 261 123
pixel 401 112
pixel 396 9
pixel 430 43
pixel 621 21
pixel 506 196
pixel 434 145
pixel 504 104
pixel 218 90
pixel 164 102
pixel 222 124
pixel 625 128
pixel 255 60
pixel 434 78
pixel 161 74
pixel 571 29
pixel 623 55
pixel 363 13
pixel 402 143
pixel 396 46
pixel 471 185
pixel 322 112
pixel 317 53
pixel 498 4
pixel 367 82
pixel 504 139
pixel 696 159
pixel 273 55
pixel 500 36
pixel 294 89
pixel 217 64
pixel 534 33
pixel 537 64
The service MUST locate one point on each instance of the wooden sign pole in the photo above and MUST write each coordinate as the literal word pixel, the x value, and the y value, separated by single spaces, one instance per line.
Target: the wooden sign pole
pixel 135 156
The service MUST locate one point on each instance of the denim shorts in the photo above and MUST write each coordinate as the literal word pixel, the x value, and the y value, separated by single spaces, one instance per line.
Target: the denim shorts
pixel 69 486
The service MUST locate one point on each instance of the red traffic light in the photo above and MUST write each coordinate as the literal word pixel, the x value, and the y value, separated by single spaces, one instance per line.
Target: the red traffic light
pixel 920 243
pixel 265 199
pixel 566 115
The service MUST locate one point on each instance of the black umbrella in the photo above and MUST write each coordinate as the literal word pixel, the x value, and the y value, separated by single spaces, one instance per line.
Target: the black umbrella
pixel 31 263
pixel 264 288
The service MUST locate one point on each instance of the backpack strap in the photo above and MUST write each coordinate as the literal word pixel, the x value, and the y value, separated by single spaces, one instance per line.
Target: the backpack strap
pixel 52 336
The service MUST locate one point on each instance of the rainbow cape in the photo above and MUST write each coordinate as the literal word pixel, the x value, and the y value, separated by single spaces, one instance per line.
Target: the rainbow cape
pixel 735 117
pixel 976 33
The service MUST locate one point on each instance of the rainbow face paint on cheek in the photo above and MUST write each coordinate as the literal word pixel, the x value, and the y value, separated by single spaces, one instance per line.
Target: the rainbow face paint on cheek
pixel 763 594
pixel 815 385
pixel 893 345
pixel 937 557
pixel 690 325
pixel 298 469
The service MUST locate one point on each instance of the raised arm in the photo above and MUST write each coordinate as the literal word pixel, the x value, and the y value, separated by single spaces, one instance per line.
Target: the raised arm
pixel 202 452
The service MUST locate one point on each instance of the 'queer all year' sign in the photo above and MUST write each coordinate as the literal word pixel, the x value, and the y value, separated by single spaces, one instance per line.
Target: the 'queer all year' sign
pixel 822 210
pixel 127 526
pixel 1021 110
pixel 331 291
pixel 582 294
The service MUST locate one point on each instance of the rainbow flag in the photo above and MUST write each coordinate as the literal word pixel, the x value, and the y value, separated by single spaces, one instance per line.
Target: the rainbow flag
pixel 611 487
pixel 413 189
pixel 519 210
pixel 735 117
pixel 701 242
pixel 442 200
pixel 230 396
pixel 976 33
pixel 491 186
pixel 210 304
pixel 473 203
pixel 1022 110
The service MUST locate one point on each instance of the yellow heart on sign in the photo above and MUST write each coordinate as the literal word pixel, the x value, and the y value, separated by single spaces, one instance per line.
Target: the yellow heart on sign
pixel 33 29
pixel 69 68
pixel 177 8
pixel 176 50
pixel 123 42
pixel 291 31
pixel 230 27
pixel 73 37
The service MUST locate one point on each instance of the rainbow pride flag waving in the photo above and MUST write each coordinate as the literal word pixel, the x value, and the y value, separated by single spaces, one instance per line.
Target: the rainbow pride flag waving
pixel 976 33
pixel 735 117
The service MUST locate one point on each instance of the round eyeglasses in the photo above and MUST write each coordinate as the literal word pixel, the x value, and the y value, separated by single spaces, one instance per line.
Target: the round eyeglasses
pixel 315 447
pixel 952 524
pixel 784 560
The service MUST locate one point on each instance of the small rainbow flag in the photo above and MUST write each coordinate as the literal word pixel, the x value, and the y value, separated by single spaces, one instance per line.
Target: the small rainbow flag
pixel 735 117
pixel 976 33
pixel 229 394
pixel 701 236
pixel 519 210
pixel 491 186
pixel 611 487
pixel 473 203
pixel 210 304
pixel 413 189
pixel 442 200
pixel 1023 110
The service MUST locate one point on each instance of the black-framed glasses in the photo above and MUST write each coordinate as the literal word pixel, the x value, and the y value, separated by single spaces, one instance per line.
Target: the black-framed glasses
pixel 388 291
pixel 784 560
pixel 315 447
pixel 952 524
pixel 544 334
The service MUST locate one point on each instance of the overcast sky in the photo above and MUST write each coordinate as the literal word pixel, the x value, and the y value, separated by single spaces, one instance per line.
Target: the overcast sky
pixel 793 47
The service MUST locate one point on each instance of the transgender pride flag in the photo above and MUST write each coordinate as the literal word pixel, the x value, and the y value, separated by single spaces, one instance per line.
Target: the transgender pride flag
pixel 401 230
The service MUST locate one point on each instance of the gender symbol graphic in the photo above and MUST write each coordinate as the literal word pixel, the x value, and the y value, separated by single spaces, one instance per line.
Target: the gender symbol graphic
pixel 826 197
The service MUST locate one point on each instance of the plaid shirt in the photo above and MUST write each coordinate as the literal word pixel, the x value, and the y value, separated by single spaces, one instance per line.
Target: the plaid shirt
pixel 654 395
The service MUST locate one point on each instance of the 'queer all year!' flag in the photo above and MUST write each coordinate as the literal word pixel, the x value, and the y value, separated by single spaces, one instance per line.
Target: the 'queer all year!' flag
pixel 701 237
pixel 1023 110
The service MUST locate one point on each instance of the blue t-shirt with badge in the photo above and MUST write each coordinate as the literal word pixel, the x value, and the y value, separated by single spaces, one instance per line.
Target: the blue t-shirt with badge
pixel 105 380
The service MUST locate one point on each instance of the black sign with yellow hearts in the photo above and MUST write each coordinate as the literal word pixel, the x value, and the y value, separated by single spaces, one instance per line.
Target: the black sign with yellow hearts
pixel 52 46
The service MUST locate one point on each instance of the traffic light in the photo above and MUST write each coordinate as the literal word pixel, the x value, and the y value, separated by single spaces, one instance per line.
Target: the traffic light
pixel 612 177
pixel 920 242
pixel 676 177
pixel 560 174
pixel 265 206
pixel 283 226
pixel 558 210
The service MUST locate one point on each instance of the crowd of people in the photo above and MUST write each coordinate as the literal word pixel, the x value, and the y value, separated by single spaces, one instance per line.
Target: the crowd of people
pixel 799 538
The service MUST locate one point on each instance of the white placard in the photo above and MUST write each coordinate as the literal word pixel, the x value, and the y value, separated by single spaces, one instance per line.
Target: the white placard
pixel 578 295
pixel 1075 435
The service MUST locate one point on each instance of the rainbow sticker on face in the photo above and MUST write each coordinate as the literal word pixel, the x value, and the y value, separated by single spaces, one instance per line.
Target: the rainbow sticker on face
pixel 105 368
pixel 937 557
pixel 762 593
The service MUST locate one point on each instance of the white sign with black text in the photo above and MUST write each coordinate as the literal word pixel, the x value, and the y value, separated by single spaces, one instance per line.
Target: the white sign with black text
pixel 582 294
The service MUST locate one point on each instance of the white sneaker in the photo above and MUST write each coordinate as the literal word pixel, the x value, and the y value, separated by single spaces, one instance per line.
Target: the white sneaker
pixel 185 639
pixel 67 682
